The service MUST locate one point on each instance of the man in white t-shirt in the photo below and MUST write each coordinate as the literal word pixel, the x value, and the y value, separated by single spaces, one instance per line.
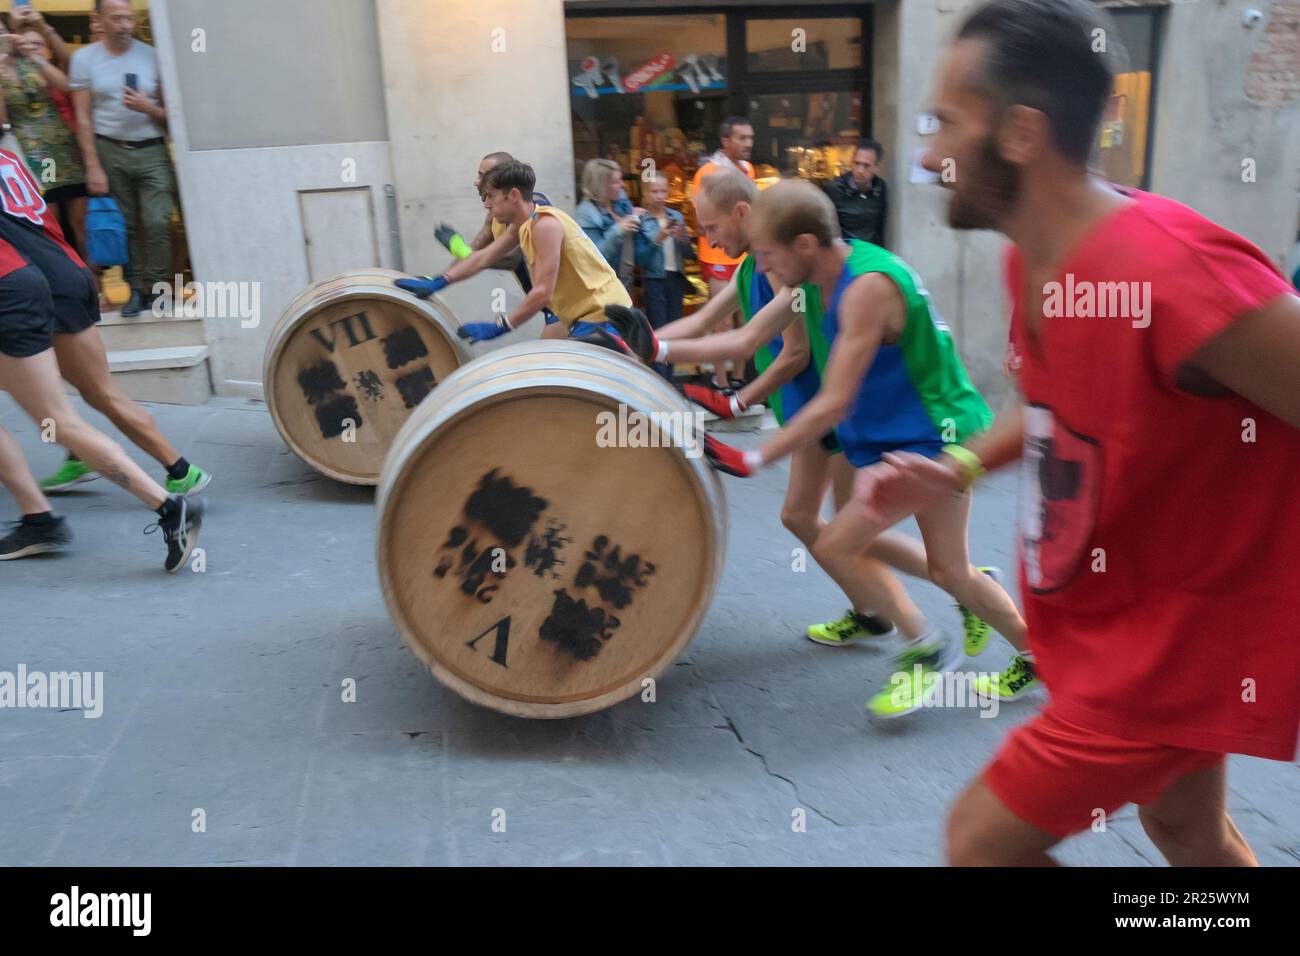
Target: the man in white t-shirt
pixel 122 129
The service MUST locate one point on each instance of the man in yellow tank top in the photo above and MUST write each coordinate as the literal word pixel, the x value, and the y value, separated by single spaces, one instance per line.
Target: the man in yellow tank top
pixel 569 274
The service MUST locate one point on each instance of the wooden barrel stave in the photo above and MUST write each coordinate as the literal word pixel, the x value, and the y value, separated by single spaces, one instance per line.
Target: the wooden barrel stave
pixel 504 415
pixel 355 349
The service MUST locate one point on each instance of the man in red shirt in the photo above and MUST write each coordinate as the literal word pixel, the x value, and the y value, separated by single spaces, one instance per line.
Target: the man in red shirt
pixel 1158 433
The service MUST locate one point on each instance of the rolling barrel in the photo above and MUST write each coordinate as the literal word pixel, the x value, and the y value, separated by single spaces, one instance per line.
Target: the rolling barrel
pixel 535 569
pixel 348 362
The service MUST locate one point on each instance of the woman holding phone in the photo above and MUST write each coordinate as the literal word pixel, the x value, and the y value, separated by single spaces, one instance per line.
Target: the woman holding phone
pixel 32 87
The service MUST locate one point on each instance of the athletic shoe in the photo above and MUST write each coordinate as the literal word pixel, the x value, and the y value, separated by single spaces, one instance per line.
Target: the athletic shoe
pixel 851 627
pixel 195 480
pixel 975 629
pixel 1016 681
pixel 634 329
pixel 70 474
pixel 28 539
pixel 911 684
pixel 181 533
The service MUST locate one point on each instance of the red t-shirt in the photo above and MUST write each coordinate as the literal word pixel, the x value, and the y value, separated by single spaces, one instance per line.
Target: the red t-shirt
pixel 1197 610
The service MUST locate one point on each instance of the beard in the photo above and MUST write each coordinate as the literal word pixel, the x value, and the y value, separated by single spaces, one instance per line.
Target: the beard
pixel 988 195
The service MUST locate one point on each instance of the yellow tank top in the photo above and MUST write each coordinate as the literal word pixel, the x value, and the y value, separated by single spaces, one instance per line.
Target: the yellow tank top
pixel 585 283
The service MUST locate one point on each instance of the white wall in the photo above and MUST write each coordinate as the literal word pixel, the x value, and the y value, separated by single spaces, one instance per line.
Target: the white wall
pixel 451 99
pixel 241 204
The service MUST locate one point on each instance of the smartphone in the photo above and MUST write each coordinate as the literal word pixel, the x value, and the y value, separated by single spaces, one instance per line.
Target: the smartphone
pixel 22 3
pixel 133 81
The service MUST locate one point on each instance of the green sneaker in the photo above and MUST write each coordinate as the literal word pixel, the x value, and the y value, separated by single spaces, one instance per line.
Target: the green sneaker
pixel 851 627
pixel 195 480
pixel 915 679
pixel 976 630
pixel 1015 681
pixel 70 474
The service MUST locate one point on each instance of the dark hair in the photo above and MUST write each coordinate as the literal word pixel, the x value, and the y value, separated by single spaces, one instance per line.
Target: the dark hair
pixel 1041 55
pixel 508 176
pixel 872 145
pixel 730 123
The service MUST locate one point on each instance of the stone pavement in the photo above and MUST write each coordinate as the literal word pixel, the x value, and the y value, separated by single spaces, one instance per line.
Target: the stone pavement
pixel 222 695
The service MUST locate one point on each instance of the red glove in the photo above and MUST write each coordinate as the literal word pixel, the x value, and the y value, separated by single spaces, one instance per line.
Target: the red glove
pixel 726 459
pixel 724 404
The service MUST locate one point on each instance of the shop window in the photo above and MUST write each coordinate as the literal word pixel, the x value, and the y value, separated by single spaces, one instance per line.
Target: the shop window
pixel 646 88
pixel 804 134
pixel 803 44
pixel 1123 141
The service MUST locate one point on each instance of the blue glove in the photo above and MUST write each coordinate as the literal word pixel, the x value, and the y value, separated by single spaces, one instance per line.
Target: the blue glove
pixel 423 287
pixel 484 331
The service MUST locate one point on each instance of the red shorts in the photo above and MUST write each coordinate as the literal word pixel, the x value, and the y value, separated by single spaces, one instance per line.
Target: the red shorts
pixel 716 270
pixel 1055 775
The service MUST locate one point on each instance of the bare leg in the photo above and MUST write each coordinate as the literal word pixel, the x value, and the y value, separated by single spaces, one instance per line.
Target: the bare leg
pixel 35 384
pixel 1189 822
pixel 84 363
pixel 77 216
pixel 943 527
pixel 900 551
pixel 15 475
pixel 841 550
pixel 556 330
pixel 983 832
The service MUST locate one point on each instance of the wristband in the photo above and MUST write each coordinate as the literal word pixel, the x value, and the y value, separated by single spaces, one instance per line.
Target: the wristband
pixel 753 460
pixel 661 355
pixel 459 247
pixel 971 466
pixel 503 322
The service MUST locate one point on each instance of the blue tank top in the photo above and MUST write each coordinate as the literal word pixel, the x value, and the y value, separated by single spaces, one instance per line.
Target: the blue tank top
pixel 796 393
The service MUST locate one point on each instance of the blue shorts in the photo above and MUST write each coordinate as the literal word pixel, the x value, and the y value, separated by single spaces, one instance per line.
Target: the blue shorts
pixel 863 455
pixel 586 328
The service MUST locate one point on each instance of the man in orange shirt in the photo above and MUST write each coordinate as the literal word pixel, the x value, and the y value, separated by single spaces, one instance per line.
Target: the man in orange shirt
pixel 737 135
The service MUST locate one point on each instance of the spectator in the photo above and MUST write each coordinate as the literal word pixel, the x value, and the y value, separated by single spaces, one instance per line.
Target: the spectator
pixel 861 201
pixel 737 136
pixel 662 248
pixel 604 213
pixel 31 84
pixel 122 126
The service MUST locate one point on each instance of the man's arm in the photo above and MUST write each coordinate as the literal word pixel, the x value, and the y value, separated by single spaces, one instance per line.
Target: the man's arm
pixel 794 358
pixel 702 320
pixel 737 345
pixel 484 258
pixel 484 237
pixel 868 306
pixel 96 180
pixel 1258 356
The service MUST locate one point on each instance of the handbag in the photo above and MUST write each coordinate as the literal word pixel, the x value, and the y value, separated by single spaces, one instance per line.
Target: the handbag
pixel 106 243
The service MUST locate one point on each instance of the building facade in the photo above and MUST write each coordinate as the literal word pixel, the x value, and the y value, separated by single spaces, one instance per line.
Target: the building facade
pixel 315 136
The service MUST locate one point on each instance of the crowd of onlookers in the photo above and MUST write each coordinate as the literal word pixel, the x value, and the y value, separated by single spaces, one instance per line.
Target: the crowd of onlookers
pixel 654 240
pixel 93 123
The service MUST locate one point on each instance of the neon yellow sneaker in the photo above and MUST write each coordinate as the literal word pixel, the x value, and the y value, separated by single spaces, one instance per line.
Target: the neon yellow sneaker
pixel 976 630
pixel 1016 680
pixel 916 678
pixel 195 480
pixel 70 474
pixel 851 627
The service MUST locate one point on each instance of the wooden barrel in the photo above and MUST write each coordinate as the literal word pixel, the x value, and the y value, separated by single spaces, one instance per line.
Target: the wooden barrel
pixel 348 362
pixel 532 567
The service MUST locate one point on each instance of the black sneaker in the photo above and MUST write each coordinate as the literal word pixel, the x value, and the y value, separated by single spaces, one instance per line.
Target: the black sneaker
pixel 635 329
pixel 181 533
pixel 28 539
pixel 134 305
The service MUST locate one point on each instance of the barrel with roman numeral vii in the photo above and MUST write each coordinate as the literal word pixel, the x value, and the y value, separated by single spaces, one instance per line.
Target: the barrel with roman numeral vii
pixel 348 362
pixel 550 533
